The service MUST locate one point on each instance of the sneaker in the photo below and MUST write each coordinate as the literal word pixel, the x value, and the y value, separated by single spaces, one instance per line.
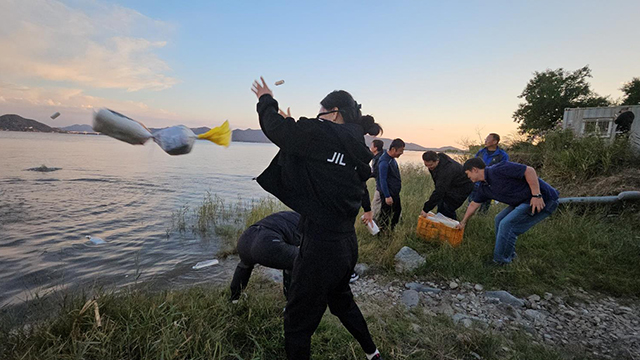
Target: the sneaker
pixel 377 357
pixel 354 278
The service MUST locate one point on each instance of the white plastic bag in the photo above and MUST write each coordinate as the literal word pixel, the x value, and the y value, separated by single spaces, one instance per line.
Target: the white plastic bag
pixel 118 126
pixel 175 140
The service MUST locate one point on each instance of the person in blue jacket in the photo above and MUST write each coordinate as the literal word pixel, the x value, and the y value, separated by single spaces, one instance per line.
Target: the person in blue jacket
pixel 389 185
pixel 529 199
pixel 491 154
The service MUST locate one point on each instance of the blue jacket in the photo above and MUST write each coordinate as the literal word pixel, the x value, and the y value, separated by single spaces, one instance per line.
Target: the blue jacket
pixel 492 158
pixel 505 182
pixel 388 181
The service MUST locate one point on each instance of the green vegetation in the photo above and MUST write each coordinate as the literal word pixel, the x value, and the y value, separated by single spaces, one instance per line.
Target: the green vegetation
pixel 576 247
pixel 572 248
pixel 549 93
pixel 201 323
pixel 562 157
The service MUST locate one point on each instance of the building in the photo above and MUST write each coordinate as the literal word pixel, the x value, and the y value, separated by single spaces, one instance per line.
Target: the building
pixel 599 121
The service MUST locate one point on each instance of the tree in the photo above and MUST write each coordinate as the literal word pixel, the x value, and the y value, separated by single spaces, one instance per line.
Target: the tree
pixel 631 92
pixel 549 93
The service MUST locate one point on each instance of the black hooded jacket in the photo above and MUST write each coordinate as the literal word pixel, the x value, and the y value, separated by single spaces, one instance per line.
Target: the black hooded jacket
pixel 320 169
pixel 452 184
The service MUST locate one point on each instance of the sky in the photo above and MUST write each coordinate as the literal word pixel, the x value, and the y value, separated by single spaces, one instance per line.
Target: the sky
pixel 431 72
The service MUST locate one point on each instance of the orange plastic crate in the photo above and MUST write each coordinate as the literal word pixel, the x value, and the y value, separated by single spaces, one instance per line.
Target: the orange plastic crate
pixel 430 230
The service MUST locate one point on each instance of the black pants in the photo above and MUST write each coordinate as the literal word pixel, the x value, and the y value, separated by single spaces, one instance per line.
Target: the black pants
pixel 259 245
pixel 447 209
pixel 390 215
pixel 320 277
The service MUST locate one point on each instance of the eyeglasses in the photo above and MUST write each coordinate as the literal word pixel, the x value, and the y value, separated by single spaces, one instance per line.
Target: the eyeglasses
pixel 326 113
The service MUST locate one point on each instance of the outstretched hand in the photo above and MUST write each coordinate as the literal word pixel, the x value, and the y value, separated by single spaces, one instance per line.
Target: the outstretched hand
pixel 261 89
pixel 285 114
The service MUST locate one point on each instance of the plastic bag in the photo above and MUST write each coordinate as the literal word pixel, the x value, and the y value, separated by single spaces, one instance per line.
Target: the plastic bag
pixel 175 140
pixel 118 126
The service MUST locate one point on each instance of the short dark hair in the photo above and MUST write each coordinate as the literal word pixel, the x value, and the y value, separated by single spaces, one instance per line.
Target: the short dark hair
pixel 378 144
pixel 397 144
pixel 496 137
pixel 430 156
pixel 477 163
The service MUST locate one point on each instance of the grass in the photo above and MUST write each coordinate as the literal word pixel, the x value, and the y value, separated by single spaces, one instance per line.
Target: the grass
pixel 573 248
pixel 576 247
pixel 200 323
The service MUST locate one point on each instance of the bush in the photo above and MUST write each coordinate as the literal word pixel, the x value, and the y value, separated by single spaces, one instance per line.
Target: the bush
pixel 567 157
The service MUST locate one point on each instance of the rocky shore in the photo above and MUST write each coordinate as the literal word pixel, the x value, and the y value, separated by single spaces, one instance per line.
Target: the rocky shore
pixel 600 325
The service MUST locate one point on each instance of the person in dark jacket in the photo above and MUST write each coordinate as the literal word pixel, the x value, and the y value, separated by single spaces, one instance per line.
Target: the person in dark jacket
pixel 491 154
pixel 389 185
pixel 530 201
pixel 272 242
pixel 452 187
pixel 624 120
pixel 320 172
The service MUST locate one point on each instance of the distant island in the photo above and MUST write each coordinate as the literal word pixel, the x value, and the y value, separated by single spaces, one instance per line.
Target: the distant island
pixel 12 122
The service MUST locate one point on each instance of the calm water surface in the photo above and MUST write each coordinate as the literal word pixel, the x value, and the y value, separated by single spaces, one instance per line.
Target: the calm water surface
pixel 121 193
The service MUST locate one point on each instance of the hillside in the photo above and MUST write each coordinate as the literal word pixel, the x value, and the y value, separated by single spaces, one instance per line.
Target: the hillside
pixel 78 128
pixel 12 122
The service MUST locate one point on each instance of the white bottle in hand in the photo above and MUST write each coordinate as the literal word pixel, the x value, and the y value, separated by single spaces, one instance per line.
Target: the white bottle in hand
pixel 372 227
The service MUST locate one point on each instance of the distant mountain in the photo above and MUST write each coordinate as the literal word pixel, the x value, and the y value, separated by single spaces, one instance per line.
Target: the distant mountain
pixel 197 131
pixel 12 122
pixel 249 135
pixel 78 128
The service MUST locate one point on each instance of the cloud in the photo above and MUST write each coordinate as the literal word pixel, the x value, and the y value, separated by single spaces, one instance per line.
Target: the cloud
pixel 74 104
pixel 94 44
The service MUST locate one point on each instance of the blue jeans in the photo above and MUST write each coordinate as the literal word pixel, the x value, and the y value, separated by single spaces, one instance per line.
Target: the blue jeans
pixel 514 221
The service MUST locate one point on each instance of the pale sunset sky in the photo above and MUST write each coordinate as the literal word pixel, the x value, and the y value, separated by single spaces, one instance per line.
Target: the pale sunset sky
pixel 430 72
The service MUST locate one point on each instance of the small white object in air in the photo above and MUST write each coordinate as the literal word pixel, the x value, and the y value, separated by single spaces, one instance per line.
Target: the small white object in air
pixel 279 82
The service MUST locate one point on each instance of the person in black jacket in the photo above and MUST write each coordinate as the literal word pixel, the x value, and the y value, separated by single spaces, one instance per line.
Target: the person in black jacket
pixel 452 186
pixel 320 172
pixel 272 242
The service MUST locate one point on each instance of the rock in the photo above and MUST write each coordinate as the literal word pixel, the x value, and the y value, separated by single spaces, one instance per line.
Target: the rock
pixel 274 275
pixel 478 287
pixel 457 317
pixel 361 269
pixel 623 310
pixel 533 298
pixel 467 322
pixel 475 355
pixel 460 297
pixel 453 285
pixel 548 296
pixel 421 288
pixel 570 314
pixel 407 260
pixel 444 308
pixel 505 297
pixel 410 298
pixel 534 315
pixel 511 312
